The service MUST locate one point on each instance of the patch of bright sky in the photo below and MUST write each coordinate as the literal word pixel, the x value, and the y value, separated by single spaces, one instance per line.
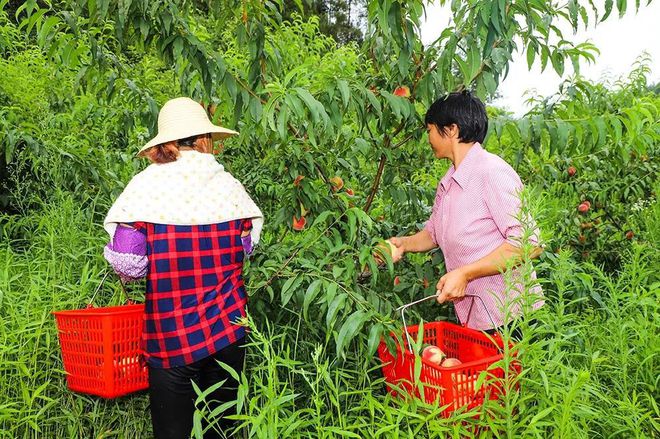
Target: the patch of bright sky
pixel 621 41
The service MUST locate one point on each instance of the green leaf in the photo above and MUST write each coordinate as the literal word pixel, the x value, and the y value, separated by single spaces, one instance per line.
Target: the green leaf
pixel 374 102
pixel 600 125
pixel 310 295
pixel 621 5
pixel 374 338
pixel 489 82
pixel 336 304
pixel 282 121
pixel 573 13
pixel 464 69
pixel 480 380
pixel 394 102
pixel 531 54
pixel 557 60
pixel 177 47
pixel 618 128
pixel 349 329
pixel 295 103
pixel 474 61
pixel 337 271
pixel 330 292
pixel 608 9
pixel 310 101
pixel 289 288
pixel 344 91
pixel 46 28
pixel 542 414
pixel 495 18
pixel 545 54
pixel 352 221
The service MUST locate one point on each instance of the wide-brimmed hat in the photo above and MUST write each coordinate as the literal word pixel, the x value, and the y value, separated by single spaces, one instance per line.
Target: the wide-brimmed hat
pixel 181 118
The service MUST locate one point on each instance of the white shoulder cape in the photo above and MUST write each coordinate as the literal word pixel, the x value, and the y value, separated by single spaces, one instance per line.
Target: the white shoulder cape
pixel 193 190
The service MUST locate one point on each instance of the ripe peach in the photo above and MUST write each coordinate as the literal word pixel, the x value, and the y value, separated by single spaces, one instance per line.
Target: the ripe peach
pixel 299 223
pixel 397 280
pixel 403 91
pixel 297 180
pixel 451 362
pixel 350 192
pixel 583 208
pixel 571 171
pixel 433 354
pixel 337 183
pixel 630 234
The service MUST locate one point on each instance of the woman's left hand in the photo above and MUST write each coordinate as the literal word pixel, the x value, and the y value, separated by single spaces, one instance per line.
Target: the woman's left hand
pixel 451 286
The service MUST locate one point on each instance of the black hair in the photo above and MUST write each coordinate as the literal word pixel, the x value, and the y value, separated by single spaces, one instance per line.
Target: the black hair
pixel 188 141
pixel 464 110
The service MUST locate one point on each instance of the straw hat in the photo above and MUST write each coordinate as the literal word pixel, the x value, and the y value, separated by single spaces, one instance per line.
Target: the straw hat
pixel 181 118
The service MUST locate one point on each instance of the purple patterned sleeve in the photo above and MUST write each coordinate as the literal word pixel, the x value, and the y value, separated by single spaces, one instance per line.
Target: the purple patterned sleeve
pixel 247 244
pixel 129 240
pixel 127 253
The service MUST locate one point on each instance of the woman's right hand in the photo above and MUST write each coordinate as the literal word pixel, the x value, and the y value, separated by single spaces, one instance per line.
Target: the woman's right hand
pixel 396 248
pixel 395 251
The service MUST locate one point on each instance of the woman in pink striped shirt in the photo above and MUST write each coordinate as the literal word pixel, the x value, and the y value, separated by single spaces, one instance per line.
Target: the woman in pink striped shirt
pixel 475 219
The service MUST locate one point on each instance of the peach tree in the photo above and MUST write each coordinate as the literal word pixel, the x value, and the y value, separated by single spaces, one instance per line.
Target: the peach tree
pixel 606 136
pixel 331 142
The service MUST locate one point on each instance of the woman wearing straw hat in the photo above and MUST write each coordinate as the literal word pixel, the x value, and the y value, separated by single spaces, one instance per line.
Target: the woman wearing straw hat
pixel 186 224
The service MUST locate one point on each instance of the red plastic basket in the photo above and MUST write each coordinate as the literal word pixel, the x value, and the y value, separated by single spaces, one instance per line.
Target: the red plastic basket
pixel 452 386
pixel 101 350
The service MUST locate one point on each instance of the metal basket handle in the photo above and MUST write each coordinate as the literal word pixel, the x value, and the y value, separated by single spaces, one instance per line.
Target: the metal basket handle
pixel 98 288
pixel 402 308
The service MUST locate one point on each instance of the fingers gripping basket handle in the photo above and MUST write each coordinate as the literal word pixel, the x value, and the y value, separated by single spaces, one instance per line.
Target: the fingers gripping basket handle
pixel 98 288
pixel 402 308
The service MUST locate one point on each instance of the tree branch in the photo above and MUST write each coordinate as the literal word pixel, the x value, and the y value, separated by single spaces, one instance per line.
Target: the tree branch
pixel 405 140
pixel 381 166
pixel 374 187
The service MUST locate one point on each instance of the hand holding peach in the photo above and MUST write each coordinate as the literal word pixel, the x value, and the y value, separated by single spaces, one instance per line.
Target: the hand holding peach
pixel 395 252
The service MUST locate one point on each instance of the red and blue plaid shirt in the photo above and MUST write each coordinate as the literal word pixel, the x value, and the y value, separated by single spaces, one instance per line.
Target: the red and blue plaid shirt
pixel 195 292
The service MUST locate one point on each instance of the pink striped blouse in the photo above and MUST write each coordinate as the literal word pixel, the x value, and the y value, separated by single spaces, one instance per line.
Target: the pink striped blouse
pixel 476 210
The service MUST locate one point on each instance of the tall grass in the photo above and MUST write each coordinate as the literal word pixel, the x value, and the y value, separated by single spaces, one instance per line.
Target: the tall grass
pixel 57 267
pixel 585 373
pixel 589 372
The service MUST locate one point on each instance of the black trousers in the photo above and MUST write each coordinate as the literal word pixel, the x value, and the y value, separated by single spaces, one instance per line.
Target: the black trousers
pixel 172 397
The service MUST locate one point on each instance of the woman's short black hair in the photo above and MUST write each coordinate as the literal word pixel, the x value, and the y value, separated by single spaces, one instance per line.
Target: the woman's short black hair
pixel 464 110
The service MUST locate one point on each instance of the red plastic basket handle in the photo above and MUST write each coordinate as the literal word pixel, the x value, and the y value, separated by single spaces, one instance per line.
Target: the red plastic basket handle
pixel 402 308
pixel 123 289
